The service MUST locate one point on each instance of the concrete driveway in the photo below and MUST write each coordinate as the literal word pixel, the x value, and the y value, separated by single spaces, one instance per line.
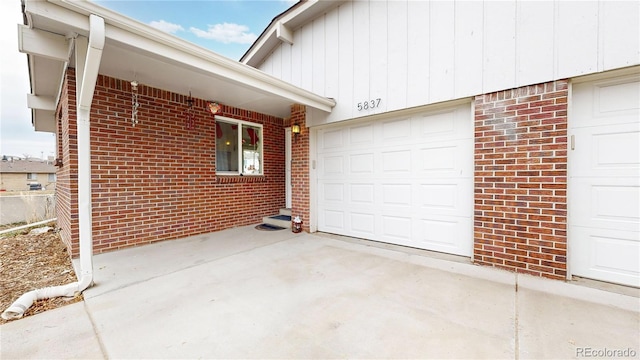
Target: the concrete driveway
pixel 244 293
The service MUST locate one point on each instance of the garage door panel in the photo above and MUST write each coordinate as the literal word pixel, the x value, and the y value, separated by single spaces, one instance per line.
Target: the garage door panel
pixel 446 159
pixel 444 234
pixel 606 203
pixel 614 100
pixel 362 224
pixel 611 255
pixel 396 161
pixel 396 228
pixel 361 136
pixel 610 150
pixel 331 166
pixel 331 140
pixel 396 194
pixel 362 193
pixel 445 126
pixel 439 197
pixel 362 163
pixel 332 220
pixel 398 130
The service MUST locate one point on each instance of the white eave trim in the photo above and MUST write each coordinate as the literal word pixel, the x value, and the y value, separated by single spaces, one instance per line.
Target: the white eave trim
pixel 126 30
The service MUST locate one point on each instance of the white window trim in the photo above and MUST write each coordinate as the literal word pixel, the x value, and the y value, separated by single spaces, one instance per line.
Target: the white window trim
pixel 241 123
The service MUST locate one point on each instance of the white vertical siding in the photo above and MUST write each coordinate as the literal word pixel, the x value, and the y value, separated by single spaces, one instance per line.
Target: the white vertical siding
pixel 412 53
pixel 619 17
pixel 346 67
pixel 535 21
pixel 332 55
pixel 306 57
pixel 468 48
pixel 499 52
pixel 577 39
pixel 417 53
pixel 441 62
pixel 361 53
pixel 397 46
pixel 318 55
pixel 378 39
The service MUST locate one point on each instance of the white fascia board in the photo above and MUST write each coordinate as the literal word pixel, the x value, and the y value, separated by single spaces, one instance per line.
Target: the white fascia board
pixel 42 43
pixel 41 102
pixel 146 38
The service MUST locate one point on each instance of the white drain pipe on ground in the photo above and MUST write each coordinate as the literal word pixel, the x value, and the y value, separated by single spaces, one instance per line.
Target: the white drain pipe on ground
pixel 88 57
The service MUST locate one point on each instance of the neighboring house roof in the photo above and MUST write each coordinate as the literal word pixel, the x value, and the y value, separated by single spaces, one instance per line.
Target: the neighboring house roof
pixel 282 26
pixel 136 51
pixel 27 167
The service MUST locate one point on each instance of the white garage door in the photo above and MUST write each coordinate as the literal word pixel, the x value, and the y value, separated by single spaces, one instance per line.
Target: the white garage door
pixel 604 185
pixel 406 181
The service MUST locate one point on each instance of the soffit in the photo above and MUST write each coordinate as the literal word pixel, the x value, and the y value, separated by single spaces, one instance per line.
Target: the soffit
pixel 135 51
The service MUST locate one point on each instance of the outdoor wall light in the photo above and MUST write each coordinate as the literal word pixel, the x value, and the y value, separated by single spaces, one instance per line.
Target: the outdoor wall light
pixel 213 107
pixel 295 129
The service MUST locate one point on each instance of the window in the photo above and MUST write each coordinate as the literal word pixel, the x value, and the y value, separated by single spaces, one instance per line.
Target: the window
pixel 32 176
pixel 238 147
pixel 52 177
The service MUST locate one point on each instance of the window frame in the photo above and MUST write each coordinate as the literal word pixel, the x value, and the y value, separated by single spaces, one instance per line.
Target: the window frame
pixel 241 124
pixel 32 176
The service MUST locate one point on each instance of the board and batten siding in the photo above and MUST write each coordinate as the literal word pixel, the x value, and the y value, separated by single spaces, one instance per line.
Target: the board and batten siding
pixel 413 53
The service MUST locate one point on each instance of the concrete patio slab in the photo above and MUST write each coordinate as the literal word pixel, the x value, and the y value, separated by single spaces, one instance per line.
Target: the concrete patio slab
pixel 62 333
pixel 244 293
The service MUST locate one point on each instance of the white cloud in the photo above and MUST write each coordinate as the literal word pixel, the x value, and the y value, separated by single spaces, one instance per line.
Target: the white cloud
pixel 226 33
pixel 166 26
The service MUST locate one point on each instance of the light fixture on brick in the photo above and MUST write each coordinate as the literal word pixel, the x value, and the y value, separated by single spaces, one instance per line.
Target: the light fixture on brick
pixel 214 107
pixel 134 103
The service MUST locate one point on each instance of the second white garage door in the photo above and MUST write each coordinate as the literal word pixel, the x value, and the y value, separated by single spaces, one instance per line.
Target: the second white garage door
pixel 604 182
pixel 405 181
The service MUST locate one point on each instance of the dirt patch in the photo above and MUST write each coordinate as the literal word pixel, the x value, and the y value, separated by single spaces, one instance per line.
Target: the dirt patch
pixel 29 262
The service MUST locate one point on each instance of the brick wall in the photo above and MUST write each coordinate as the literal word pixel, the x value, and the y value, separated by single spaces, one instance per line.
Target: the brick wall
pixel 521 179
pixel 67 175
pixel 300 203
pixel 156 180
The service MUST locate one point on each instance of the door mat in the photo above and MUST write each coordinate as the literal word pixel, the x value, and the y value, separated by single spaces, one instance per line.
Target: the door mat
pixel 267 227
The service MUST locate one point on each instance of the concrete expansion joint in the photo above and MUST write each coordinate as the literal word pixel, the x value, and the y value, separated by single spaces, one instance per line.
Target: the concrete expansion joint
pixel 94 327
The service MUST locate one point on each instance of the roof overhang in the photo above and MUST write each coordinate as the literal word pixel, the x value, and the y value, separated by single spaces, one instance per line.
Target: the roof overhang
pixel 136 51
pixel 282 27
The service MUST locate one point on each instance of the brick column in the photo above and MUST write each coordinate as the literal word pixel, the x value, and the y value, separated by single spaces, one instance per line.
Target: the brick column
pixel 67 174
pixel 520 196
pixel 300 166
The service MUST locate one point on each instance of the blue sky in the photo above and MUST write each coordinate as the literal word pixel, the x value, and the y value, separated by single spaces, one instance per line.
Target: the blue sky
pixel 227 27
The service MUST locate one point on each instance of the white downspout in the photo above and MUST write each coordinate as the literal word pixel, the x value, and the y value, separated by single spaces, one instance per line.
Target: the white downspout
pixel 85 86
pixel 88 57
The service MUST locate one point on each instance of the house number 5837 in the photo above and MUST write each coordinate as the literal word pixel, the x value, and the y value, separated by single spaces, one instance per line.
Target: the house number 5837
pixel 369 104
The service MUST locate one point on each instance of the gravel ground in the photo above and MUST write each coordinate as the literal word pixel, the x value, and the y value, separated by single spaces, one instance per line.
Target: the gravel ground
pixel 29 262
